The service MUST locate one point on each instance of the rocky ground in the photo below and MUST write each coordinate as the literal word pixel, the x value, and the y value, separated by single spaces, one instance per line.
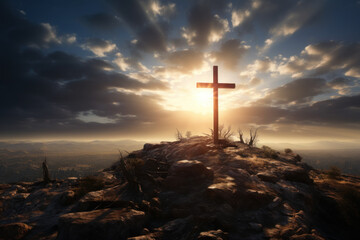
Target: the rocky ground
pixel 189 189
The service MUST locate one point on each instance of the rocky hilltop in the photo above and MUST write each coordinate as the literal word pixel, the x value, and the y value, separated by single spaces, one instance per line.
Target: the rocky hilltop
pixel 188 189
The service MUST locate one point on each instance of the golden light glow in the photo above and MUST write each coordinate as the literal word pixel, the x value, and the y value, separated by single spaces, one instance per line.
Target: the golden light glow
pixel 204 100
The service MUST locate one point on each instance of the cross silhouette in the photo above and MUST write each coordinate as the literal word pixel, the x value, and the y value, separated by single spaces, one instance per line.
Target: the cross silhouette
pixel 215 85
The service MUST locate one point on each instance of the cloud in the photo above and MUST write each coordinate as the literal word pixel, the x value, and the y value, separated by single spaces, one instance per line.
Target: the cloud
pixel 17 30
pixel 298 16
pixel 342 85
pixel 101 21
pixel 332 111
pixel 324 58
pixel 280 18
pixel 99 46
pixel 296 92
pixel 231 51
pixel 342 111
pixel 45 93
pixel 267 14
pixel 252 83
pixel 129 63
pixel 204 26
pixel 155 8
pixel 184 61
pixel 151 32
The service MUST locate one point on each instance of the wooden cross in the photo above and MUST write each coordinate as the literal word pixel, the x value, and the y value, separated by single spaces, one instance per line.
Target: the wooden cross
pixel 215 85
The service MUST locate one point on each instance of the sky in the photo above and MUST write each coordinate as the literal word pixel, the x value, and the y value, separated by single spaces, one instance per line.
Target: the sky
pixel 86 70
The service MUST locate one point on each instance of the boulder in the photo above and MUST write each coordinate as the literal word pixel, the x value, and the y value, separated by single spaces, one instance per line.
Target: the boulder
pixel 185 174
pixel 102 199
pixel 100 224
pixel 212 235
pixel 177 228
pixel 14 230
pixel 67 197
pixel 197 150
pixel 267 177
pixel 296 174
pixel 223 191
pixel 253 199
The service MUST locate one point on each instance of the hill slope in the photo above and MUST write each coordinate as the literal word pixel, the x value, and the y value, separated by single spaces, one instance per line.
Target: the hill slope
pixel 188 189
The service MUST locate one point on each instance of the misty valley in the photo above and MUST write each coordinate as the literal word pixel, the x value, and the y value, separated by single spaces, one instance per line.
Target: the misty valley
pixel 22 161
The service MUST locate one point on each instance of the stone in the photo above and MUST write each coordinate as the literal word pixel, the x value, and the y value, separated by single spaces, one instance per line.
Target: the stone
pixel 253 199
pixel 143 237
pixel 185 174
pixel 223 191
pixel 100 224
pixel 67 197
pixel 267 177
pixel 149 146
pixel 102 199
pixel 275 203
pixel 296 174
pixel 14 230
pixel 21 196
pixel 306 237
pixel 212 235
pixel 256 226
pixel 197 150
pixel 177 227
pixel 271 232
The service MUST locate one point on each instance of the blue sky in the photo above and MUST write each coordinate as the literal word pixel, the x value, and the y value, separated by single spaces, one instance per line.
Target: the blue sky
pixel 127 69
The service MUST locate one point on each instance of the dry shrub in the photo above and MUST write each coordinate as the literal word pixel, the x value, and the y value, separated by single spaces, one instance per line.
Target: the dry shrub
pixel 269 152
pixel 288 151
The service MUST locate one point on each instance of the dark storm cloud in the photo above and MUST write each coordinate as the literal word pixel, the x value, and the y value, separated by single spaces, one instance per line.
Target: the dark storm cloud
pixel 332 112
pixel 339 82
pixel 101 21
pixel 48 92
pixel 298 91
pixel 151 34
pixel 17 30
pixel 340 110
pixel 231 51
pixel 204 20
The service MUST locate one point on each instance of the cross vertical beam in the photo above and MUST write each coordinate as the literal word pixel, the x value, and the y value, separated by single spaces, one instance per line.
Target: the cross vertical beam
pixel 216 104
pixel 215 85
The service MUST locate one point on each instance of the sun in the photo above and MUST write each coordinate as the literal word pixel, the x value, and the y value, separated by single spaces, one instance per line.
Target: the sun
pixel 204 100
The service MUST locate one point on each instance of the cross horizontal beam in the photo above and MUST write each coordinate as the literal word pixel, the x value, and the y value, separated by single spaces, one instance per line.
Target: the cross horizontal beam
pixel 211 85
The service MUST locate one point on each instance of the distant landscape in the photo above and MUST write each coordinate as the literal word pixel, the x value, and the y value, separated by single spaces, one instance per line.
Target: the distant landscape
pixel 21 161
pixel 323 155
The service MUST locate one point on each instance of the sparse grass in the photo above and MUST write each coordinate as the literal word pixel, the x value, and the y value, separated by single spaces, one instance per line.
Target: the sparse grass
pixel 134 166
pixel 333 173
pixel 269 152
pixel 89 184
